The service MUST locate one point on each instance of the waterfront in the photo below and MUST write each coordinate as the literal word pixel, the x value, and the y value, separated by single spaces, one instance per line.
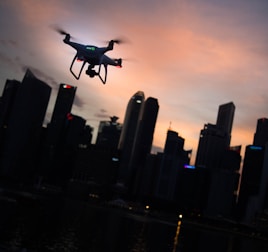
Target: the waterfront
pixel 62 224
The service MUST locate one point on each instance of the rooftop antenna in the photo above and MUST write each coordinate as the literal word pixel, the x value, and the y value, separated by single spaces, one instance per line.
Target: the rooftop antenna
pixel 169 128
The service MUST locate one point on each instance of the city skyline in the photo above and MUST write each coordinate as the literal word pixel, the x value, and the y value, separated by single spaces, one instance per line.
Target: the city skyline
pixel 198 55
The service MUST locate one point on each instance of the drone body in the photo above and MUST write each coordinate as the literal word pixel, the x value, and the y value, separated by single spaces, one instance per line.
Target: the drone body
pixel 94 56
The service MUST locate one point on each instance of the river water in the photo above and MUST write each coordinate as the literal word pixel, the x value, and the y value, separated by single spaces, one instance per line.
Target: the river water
pixel 72 225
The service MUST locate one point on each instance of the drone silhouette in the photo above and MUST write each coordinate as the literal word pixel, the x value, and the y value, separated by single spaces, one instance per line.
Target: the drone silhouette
pixel 93 55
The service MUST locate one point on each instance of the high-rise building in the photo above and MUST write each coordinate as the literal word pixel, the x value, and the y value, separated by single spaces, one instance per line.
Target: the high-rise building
pixel 143 142
pixel 109 133
pixel 225 117
pixel 173 161
pixel 23 127
pixel 127 137
pixel 261 134
pixel 250 185
pixel 57 130
pixel 6 104
pixel 221 164
pixel 211 147
pixel 64 103
pixel 215 139
pixel 62 109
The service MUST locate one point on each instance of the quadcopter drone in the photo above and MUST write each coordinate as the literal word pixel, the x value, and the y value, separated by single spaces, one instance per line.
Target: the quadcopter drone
pixel 93 55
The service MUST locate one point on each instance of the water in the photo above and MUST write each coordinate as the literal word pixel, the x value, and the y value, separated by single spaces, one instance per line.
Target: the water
pixel 72 225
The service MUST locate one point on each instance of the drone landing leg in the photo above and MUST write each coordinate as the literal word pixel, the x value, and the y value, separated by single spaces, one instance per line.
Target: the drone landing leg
pixel 71 68
pixel 105 74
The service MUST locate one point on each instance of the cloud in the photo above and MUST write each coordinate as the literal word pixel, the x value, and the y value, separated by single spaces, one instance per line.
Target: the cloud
pixel 102 114
pixel 78 102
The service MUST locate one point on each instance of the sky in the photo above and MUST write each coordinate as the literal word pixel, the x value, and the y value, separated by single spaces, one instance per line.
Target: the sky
pixel 192 55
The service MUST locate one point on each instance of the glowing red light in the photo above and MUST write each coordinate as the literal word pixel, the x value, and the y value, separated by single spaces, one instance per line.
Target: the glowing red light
pixel 67 86
pixel 70 117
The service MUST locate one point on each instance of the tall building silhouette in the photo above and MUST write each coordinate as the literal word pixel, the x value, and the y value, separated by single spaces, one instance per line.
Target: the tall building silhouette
pixel 143 142
pixel 173 161
pixel 220 163
pixel 64 103
pixel 62 109
pixel 253 195
pixel 215 139
pixel 6 104
pixel 23 128
pixel 225 117
pixel 261 134
pixel 127 138
pixel 252 171
pixel 109 133
pixel 56 132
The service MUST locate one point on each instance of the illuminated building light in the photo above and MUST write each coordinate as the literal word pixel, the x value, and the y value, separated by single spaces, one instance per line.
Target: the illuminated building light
pixel 67 86
pixel 255 147
pixel 70 117
pixel 189 166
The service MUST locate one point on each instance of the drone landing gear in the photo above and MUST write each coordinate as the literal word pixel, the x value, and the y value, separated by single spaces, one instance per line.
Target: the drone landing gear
pixel 92 73
pixel 71 67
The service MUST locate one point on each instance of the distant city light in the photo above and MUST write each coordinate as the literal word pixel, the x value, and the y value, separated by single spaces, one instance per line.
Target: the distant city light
pixel 255 147
pixel 189 166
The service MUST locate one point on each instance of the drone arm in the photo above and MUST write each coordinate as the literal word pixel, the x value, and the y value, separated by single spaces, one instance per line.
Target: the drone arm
pixel 71 68
pixel 67 39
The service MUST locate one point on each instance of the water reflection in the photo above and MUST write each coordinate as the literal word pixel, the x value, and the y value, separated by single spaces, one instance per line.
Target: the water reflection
pixel 176 238
pixel 70 225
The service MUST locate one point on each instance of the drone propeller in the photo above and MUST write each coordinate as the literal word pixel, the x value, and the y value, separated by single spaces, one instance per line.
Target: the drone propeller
pixel 119 40
pixel 59 30
pixel 62 32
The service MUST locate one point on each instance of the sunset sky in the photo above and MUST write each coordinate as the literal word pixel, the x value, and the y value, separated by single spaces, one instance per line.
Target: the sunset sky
pixel 192 55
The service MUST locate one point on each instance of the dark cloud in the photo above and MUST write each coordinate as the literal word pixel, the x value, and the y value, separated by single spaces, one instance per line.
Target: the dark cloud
pixel 8 42
pixel 78 102
pixel 102 114
pixel 12 63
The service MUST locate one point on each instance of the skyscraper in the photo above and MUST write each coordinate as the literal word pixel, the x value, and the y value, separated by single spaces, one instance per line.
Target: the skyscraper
pixel 261 134
pixel 226 116
pixel 24 127
pixel 250 182
pixel 225 119
pixel 215 139
pixel 62 108
pixel 64 103
pixel 127 137
pixel 173 160
pixel 109 133
pixel 6 104
pixel 57 130
pixel 143 142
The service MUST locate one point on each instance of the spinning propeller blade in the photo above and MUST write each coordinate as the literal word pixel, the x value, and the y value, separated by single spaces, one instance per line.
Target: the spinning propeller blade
pixel 59 30
pixel 121 40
